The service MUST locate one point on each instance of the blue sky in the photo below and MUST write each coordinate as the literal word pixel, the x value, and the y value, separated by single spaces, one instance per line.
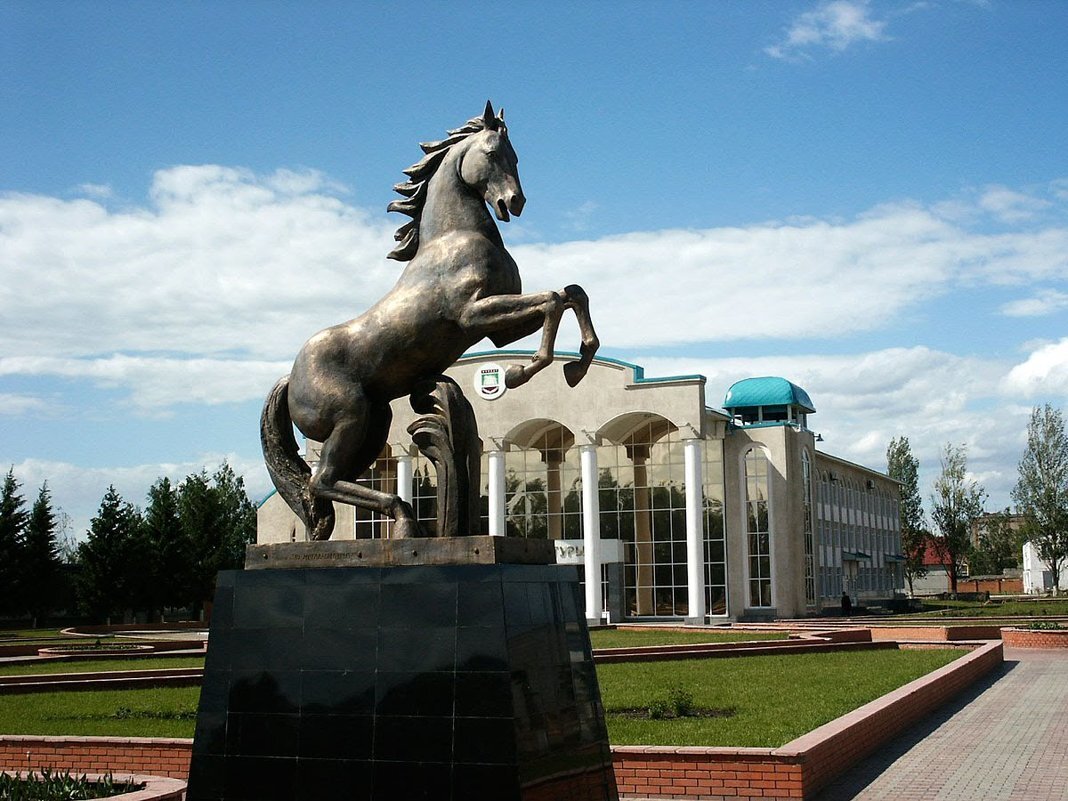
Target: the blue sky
pixel 869 198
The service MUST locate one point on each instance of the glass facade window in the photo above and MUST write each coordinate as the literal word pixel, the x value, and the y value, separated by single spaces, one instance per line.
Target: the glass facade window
pixel 642 499
pixel 543 487
pixel 715 535
pixel 758 528
pixel 806 524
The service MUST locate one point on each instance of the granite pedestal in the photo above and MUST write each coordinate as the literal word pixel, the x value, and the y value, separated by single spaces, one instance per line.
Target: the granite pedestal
pixel 471 678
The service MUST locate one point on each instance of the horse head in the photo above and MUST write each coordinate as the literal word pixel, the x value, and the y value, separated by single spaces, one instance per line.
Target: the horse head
pixel 490 166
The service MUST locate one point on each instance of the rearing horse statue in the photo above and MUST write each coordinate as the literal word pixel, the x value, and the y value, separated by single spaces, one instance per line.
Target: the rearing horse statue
pixel 460 286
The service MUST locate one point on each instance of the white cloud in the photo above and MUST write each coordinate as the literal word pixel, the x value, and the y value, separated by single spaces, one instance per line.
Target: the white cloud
pixel 1043 303
pixel 835 26
pixel 1043 374
pixel 1010 206
pixel 16 404
pixel 863 400
pixel 156 382
pixel 206 294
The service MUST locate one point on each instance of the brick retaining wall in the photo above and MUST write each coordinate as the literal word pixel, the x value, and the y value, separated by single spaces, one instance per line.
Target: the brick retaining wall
pixel 117 755
pixel 796 770
pixel 1034 638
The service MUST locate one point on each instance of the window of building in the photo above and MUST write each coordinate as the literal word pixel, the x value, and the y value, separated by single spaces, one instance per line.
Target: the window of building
pixel 642 499
pixel 807 532
pixel 543 492
pixel 715 537
pixel 758 528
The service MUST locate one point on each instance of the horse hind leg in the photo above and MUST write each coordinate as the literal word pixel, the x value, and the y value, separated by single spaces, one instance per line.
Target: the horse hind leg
pixel 350 449
pixel 576 299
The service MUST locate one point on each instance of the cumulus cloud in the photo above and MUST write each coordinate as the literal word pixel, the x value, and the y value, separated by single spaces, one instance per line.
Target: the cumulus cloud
pixel 206 293
pixel 1043 374
pixel 833 26
pixel 155 382
pixel 221 261
pixel 1010 206
pixel 1043 303
pixel 863 400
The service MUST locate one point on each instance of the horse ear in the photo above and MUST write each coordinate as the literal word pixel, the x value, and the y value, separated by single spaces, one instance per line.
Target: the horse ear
pixel 500 114
pixel 488 119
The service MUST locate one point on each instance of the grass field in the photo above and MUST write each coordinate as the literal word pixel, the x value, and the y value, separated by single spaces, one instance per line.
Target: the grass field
pixel 1049 607
pixel 90 666
pixel 770 699
pixel 152 712
pixel 634 637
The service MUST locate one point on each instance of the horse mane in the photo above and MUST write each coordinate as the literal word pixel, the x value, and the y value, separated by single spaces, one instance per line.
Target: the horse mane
pixel 419 175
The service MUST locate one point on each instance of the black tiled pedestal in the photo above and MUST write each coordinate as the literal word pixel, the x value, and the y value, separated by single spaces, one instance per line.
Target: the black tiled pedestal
pixel 443 682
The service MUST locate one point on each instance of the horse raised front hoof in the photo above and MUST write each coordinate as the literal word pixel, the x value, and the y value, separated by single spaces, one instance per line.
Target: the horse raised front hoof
pixel 575 372
pixel 514 376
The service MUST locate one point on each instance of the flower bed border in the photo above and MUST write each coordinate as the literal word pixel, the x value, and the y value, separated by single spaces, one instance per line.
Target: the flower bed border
pixel 1034 638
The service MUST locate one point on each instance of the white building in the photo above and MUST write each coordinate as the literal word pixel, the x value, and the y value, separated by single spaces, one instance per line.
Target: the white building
pixel 1037 577
pixel 687 513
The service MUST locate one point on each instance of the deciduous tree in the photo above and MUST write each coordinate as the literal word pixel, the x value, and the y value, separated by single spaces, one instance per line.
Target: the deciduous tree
pixel 957 501
pixel 1041 492
pixel 904 467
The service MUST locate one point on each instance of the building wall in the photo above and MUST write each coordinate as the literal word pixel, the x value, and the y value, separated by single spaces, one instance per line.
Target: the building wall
pixel 640 432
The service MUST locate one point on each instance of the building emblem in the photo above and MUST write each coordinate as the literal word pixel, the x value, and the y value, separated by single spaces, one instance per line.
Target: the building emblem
pixel 489 381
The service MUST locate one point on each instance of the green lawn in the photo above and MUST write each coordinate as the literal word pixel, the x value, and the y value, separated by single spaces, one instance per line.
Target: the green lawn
pixel 634 637
pixel 770 699
pixel 1052 607
pixel 89 666
pixel 150 712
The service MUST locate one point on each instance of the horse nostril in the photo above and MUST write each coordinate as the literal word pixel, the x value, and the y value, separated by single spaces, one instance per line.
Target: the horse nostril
pixel 517 203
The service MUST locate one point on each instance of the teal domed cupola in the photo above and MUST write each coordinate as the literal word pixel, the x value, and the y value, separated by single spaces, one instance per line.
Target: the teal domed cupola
pixel 768 401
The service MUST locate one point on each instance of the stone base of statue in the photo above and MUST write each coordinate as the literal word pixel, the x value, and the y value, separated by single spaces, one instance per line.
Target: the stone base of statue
pixel 466 677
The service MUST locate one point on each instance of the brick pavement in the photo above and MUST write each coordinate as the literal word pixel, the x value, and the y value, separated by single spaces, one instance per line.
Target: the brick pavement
pixel 1006 740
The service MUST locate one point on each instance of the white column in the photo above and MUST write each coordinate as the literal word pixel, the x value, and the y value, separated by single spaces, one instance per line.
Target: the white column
pixel 404 478
pixel 496 493
pixel 591 533
pixel 695 529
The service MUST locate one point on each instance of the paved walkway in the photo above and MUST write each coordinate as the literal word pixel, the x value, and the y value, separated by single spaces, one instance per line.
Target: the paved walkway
pixel 1005 740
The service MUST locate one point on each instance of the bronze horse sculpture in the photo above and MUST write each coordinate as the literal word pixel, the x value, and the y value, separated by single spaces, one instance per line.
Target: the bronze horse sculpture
pixel 460 286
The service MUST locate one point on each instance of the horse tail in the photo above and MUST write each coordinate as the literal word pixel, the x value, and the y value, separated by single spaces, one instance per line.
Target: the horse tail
pixel 288 471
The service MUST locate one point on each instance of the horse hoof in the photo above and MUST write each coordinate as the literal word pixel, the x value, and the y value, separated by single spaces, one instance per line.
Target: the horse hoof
pixel 574 372
pixel 514 376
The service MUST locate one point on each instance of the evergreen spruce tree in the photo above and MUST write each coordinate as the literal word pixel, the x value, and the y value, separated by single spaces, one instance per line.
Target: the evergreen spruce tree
pixel 41 569
pixel 903 466
pixel 13 519
pixel 167 550
pixel 108 566
pixel 218 520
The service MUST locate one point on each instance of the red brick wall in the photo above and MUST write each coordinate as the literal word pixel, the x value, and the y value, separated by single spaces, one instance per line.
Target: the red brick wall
pixel 796 770
pixel 1034 638
pixel 705 773
pixel 149 756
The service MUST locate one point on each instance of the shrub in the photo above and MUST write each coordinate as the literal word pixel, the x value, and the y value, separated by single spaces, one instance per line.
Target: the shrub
pixel 59 787
pixel 1044 625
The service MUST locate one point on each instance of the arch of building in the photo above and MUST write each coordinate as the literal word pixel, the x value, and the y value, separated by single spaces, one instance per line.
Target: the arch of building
pixel 637 481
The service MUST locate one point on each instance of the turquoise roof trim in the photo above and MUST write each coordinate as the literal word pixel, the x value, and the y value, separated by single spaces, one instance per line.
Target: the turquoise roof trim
pixel 636 369
pixel 766 391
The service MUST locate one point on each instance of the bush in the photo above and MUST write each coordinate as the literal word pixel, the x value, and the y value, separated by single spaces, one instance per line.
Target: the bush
pixel 59 787
pixel 1044 625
